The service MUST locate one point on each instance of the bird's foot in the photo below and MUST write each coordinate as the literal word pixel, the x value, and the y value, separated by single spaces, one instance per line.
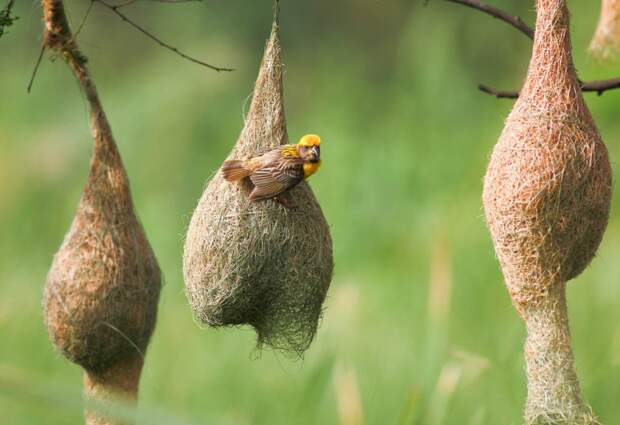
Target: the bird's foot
pixel 286 201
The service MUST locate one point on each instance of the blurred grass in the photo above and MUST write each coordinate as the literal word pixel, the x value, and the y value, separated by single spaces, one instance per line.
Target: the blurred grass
pixel 418 328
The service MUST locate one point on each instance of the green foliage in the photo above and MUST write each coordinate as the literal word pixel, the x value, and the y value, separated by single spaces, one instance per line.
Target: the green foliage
pixel 390 87
pixel 6 17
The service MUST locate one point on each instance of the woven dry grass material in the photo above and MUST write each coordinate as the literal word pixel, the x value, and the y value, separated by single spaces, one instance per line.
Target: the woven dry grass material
pixel 259 263
pixel 606 41
pixel 114 387
pixel 548 186
pixel 546 196
pixel 553 395
pixel 102 290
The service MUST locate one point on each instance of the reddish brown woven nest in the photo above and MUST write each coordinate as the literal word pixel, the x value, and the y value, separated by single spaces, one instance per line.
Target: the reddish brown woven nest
pixel 102 290
pixel 548 186
pixel 546 197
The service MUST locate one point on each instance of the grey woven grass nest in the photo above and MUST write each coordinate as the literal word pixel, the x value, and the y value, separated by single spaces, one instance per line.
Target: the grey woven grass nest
pixel 606 41
pixel 259 263
pixel 548 186
pixel 102 291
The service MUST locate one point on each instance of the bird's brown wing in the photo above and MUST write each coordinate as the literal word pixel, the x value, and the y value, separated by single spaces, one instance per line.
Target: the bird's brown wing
pixel 278 177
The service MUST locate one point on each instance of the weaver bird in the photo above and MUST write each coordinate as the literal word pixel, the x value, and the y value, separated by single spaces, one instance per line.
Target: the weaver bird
pixel 276 172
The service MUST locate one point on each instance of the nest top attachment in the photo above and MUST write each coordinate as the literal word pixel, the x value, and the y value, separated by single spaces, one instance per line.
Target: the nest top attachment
pixel 265 125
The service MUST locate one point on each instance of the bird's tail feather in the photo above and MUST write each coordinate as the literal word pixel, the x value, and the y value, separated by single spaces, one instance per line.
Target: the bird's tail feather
pixel 234 170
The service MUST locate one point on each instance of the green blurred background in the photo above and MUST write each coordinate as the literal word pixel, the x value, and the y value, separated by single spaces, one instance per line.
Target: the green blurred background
pixel 418 327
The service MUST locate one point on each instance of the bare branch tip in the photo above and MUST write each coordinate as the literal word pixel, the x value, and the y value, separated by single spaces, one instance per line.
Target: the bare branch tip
pixel 500 94
pixel 495 12
pixel 131 22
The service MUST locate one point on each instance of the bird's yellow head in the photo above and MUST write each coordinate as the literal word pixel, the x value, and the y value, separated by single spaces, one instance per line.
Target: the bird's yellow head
pixel 310 140
pixel 309 148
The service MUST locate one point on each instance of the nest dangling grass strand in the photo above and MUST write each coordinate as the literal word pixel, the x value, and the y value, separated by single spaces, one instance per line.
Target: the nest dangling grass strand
pixel 546 196
pixel 259 263
pixel 102 290
pixel 606 41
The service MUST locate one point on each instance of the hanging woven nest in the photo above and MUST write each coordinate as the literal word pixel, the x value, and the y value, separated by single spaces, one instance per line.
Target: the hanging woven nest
pixel 102 290
pixel 606 41
pixel 546 196
pixel 259 263
pixel 548 186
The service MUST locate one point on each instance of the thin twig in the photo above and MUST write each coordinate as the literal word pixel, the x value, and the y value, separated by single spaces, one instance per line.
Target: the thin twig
pixel 40 58
pixel 601 86
pixel 515 21
pixel 84 18
pixel 35 70
pixel 130 2
pixel 500 94
pixel 173 49
pixel 598 86
pixel 127 3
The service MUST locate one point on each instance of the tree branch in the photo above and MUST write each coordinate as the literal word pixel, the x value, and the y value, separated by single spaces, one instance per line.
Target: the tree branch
pixel 515 21
pixel 500 94
pixel 130 2
pixel 598 86
pixel 115 10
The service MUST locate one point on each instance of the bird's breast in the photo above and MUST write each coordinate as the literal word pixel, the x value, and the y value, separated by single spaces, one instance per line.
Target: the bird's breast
pixel 310 168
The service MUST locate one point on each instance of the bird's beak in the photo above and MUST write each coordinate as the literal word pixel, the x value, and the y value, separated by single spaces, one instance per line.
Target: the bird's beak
pixel 316 152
